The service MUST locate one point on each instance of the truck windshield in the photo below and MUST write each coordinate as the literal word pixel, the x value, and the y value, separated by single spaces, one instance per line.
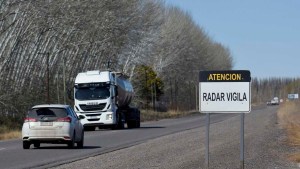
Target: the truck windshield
pixel 92 93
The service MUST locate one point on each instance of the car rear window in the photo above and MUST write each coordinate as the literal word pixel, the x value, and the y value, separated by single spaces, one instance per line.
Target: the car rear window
pixel 49 112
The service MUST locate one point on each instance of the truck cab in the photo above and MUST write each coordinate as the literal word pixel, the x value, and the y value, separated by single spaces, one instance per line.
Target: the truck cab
pixel 103 99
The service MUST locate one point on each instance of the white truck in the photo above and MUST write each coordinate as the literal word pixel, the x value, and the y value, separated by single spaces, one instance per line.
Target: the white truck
pixel 103 97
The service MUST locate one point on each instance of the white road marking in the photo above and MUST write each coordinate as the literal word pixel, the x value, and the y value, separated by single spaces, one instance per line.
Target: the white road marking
pixel 2 149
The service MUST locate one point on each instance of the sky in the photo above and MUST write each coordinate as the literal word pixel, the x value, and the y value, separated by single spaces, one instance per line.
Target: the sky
pixel 263 36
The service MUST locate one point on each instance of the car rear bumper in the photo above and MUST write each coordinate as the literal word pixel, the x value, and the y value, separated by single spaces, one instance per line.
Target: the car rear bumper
pixel 47 139
pixel 57 135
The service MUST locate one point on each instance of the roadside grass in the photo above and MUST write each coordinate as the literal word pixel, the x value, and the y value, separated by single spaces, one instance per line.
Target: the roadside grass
pixel 146 115
pixel 150 115
pixel 289 119
pixel 6 133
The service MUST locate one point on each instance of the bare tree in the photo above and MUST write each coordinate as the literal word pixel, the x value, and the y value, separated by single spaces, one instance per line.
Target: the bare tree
pixel 41 38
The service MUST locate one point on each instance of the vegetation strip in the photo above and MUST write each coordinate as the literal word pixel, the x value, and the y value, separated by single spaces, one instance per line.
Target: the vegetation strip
pixel 288 116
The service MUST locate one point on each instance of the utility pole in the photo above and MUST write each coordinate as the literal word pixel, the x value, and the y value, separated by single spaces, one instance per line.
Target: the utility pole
pixel 64 77
pixel 48 79
pixel 108 64
pixel 196 96
pixel 155 97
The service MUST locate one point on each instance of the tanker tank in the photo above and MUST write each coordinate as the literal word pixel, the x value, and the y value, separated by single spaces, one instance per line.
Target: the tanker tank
pixel 125 91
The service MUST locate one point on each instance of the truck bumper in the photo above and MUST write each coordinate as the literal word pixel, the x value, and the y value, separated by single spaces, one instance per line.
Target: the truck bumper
pixel 98 119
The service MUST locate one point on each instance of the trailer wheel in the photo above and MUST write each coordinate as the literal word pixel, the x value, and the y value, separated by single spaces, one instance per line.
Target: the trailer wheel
pixel 138 121
pixel 135 121
pixel 138 124
pixel 131 124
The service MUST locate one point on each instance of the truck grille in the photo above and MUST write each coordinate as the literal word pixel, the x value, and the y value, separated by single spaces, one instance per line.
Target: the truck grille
pixel 100 107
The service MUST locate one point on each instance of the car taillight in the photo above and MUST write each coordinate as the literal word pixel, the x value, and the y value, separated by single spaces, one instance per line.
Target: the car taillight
pixel 67 138
pixel 30 119
pixel 64 119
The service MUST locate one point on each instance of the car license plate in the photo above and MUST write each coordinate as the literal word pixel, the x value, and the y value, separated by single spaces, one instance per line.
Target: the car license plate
pixel 46 123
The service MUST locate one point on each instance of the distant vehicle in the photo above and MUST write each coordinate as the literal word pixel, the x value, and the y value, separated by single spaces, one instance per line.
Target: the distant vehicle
pixel 103 97
pixel 275 101
pixel 52 123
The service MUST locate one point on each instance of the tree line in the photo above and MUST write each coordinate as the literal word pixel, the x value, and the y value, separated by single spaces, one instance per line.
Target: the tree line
pixel 47 43
pixel 265 89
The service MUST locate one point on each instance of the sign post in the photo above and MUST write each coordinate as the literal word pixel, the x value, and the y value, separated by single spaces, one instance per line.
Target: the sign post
pixel 242 145
pixel 207 140
pixel 225 91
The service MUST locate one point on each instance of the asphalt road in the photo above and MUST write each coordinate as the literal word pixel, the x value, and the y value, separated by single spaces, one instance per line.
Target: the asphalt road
pixel 97 142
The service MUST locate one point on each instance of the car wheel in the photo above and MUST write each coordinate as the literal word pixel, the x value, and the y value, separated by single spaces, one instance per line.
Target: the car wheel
pixel 81 142
pixel 36 145
pixel 26 144
pixel 71 144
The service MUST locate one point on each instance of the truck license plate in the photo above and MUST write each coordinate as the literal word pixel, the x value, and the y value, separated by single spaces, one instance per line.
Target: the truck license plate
pixel 93 117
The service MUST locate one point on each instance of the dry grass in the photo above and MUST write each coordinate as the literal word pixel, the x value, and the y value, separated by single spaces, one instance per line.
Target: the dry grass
pixel 294 157
pixel 289 119
pixel 6 133
pixel 149 115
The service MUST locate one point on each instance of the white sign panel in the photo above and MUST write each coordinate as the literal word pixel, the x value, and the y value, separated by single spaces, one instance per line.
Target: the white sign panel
pixel 225 92
pixel 293 96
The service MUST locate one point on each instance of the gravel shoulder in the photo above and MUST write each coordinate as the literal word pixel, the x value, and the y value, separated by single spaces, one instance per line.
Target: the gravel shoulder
pixel 264 148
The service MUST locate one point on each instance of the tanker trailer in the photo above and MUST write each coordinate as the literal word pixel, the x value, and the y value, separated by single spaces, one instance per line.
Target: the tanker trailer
pixel 103 97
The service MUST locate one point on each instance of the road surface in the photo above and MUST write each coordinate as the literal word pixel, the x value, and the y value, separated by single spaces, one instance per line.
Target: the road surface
pixel 166 143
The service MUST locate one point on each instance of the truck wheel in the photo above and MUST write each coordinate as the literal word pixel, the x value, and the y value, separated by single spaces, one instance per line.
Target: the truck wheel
pixel 121 125
pixel 121 121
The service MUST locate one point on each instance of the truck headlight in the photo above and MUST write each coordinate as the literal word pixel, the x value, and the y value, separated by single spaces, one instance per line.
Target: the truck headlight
pixel 109 117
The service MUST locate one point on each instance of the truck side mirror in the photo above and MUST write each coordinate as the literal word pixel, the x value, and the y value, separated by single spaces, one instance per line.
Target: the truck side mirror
pixel 81 117
pixel 115 92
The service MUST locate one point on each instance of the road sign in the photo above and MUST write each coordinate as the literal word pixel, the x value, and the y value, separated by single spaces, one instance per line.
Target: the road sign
pixel 226 91
pixel 293 96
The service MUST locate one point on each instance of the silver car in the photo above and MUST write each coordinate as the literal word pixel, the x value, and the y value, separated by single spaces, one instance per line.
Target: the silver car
pixel 52 123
